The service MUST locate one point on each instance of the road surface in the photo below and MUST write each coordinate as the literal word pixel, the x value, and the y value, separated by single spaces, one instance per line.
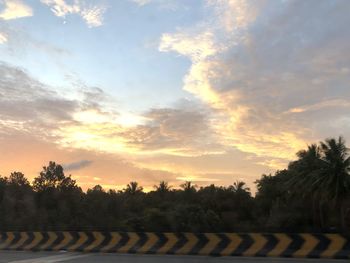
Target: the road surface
pixel 50 257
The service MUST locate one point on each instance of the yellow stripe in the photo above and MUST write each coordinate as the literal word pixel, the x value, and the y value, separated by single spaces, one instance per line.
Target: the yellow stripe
pixel 283 243
pixel 133 239
pixel 37 238
pixel 233 245
pixel 171 241
pixel 82 239
pixel 213 241
pixel 336 245
pixel 52 237
pixel 67 238
pixel 309 244
pixel 188 246
pixel 259 242
pixel 116 237
pixel 21 241
pixel 151 241
pixel 9 239
pixel 98 240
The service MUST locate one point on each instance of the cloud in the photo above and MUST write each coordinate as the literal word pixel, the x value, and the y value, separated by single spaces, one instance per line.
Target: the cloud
pixel 335 103
pixel 24 99
pixel 93 16
pixel 14 9
pixel 142 2
pixel 76 165
pixel 3 38
pixel 171 5
pixel 197 48
pixel 87 120
pixel 91 13
pixel 162 131
pixel 173 131
pixel 249 72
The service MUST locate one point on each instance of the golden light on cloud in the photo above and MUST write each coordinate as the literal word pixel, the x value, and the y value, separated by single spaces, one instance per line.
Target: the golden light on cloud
pixel 232 117
pixel 15 9
pixel 334 103
pixel 3 38
pixel 128 119
pixel 91 14
pixel 97 136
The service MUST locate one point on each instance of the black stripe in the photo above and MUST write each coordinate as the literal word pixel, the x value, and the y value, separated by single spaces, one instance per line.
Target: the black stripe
pixel 182 240
pixel 246 243
pixel 202 241
pixel 162 239
pixel 28 241
pixel 42 242
pixel 75 238
pixel 15 240
pixel 107 238
pixel 3 237
pixel 58 241
pixel 271 244
pixel 90 239
pixel 344 253
pixel 323 243
pixel 296 244
pixel 224 242
pixel 125 238
pixel 143 238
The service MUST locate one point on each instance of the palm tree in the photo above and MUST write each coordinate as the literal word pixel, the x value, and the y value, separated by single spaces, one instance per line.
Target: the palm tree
pixel 323 172
pixel 133 188
pixel 239 187
pixel 334 182
pixel 163 187
pixel 188 187
pixel 308 166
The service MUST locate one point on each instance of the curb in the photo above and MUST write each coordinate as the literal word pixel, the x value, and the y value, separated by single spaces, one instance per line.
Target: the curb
pixel 214 244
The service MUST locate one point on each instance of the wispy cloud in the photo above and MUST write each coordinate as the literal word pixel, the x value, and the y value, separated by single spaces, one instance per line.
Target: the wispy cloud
pixel 76 165
pixel 14 9
pixel 335 103
pixel 91 13
pixel 3 38
pixel 171 5
pixel 142 2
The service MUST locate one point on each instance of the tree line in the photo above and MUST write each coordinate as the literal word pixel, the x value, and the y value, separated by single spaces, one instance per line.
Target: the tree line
pixel 311 195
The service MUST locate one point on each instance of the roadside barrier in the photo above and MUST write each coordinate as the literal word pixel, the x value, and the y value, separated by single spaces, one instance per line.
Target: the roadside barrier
pixel 214 244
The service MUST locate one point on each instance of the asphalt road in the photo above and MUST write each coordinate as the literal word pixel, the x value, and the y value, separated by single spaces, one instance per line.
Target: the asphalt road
pixel 50 257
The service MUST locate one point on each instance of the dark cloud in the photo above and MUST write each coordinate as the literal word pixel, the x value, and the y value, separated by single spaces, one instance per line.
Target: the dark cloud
pixel 23 98
pixel 77 165
pixel 182 131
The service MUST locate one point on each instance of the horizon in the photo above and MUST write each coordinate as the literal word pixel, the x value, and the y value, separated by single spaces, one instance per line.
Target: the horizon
pixel 208 91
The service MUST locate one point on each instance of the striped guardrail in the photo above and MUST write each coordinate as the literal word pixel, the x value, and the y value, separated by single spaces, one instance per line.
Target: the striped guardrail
pixel 220 244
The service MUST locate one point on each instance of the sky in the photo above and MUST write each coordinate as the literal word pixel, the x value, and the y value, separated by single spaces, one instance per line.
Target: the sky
pixel 208 91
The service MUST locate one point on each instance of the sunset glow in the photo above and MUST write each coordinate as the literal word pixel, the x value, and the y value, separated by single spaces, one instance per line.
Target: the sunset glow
pixel 203 91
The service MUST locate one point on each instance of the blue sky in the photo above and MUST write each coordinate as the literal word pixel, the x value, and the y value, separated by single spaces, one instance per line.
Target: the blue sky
pixel 150 90
pixel 121 56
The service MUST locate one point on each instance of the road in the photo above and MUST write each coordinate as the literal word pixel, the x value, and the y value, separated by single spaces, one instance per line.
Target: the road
pixel 50 257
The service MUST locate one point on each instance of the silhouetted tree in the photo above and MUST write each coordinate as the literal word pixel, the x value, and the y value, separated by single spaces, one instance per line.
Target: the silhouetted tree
pixel 163 187
pixel 53 177
pixel 133 188
pixel 312 194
